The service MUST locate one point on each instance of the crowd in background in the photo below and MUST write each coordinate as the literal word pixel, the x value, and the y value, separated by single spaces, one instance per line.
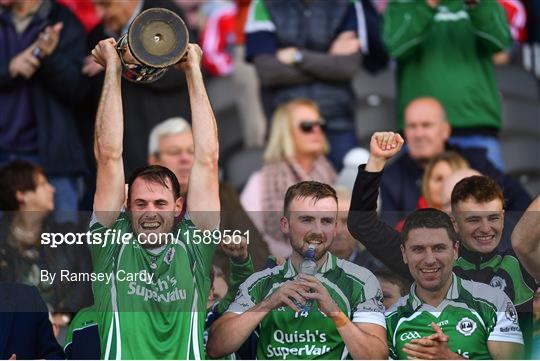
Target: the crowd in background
pixel 290 65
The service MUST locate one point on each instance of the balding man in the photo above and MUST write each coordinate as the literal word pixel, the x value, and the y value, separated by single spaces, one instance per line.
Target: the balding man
pixel 426 134
pixel 171 145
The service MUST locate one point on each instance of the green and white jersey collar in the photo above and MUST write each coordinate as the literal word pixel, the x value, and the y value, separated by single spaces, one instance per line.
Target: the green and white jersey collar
pixel 451 294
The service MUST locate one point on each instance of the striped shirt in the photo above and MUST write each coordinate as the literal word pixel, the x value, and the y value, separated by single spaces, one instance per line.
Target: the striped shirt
pixel 471 314
pixel 286 334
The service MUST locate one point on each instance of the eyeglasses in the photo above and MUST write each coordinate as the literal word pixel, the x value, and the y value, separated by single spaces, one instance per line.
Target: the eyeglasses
pixel 306 126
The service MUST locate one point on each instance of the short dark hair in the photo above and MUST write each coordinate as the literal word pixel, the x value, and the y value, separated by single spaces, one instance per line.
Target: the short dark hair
pixel 429 218
pixel 308 189
pixel 481 188
pixel 390 277
pixel 17 176
pixel 155 174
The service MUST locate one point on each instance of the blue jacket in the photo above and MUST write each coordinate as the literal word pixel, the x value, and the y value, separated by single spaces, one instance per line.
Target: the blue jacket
pixel 401 182
pixel 25 329
pixel 53 90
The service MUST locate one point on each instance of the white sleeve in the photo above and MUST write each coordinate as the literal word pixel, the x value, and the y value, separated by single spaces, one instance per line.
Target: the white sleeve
pixel 506 327
pixel 242 301
pixel 93 218
pixel 372 309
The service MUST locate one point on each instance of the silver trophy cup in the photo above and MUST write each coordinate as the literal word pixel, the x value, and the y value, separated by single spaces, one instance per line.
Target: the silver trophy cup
pixel 156 39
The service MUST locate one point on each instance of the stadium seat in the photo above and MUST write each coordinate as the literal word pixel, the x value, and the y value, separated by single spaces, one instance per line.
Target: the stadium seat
pixel 520 153
pixel 530 179
pixel 516 82
pixel 374 113
pixel 240 165
pixel 230 132
pixel 375 105
pixel 520 117
pixel 382 83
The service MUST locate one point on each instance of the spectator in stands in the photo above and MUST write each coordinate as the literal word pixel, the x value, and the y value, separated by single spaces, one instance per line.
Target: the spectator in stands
pixel 26 196
pixel 171 145
pixel 531 53
pixel 219 287
pixel 437 170
pixel 393 286
pixel 451 43
pixel 449 184
pixel 25 330
pixel 85 12
pixel 222 40
pixel 217 36
pixel 308 50
pixel 247 84
pixel 516 17
pixel 426 133
pixel 344 245
pixel 444 50
pixel 41 54
pixel 295 152
pixel 145 105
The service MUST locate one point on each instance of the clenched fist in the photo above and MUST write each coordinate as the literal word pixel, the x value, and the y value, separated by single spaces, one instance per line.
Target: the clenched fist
pixel 24 64
pixel 383 146
pixel 238 252
pixel 105 54
pixel 192 59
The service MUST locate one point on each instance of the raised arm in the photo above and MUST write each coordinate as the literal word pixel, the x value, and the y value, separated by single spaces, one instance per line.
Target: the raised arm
pixel 526 239
pixel 203 196
pixel 363 222
pixel 490 25
pixel 108 137
pixel 364 335
pixel 406 25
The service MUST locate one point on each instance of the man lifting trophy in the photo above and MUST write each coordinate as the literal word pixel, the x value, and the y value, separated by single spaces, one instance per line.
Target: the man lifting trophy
pixel 169 322
pixel 157 39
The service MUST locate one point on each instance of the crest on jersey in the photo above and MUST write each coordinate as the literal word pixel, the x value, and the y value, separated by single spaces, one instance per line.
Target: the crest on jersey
pixel 169 256
pixel 466 326
pixel 379 300
pixel 498 282
pixel 511 313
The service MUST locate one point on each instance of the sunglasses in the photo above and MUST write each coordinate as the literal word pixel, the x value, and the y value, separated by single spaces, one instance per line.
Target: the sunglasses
pixel 307 126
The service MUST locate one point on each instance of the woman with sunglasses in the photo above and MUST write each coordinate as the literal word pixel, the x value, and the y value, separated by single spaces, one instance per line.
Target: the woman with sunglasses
pixel 296 151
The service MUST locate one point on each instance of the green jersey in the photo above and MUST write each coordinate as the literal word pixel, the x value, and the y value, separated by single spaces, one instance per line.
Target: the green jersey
pixel 451 44
pixel 286 334
pixel 154 305
pixel 471 314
